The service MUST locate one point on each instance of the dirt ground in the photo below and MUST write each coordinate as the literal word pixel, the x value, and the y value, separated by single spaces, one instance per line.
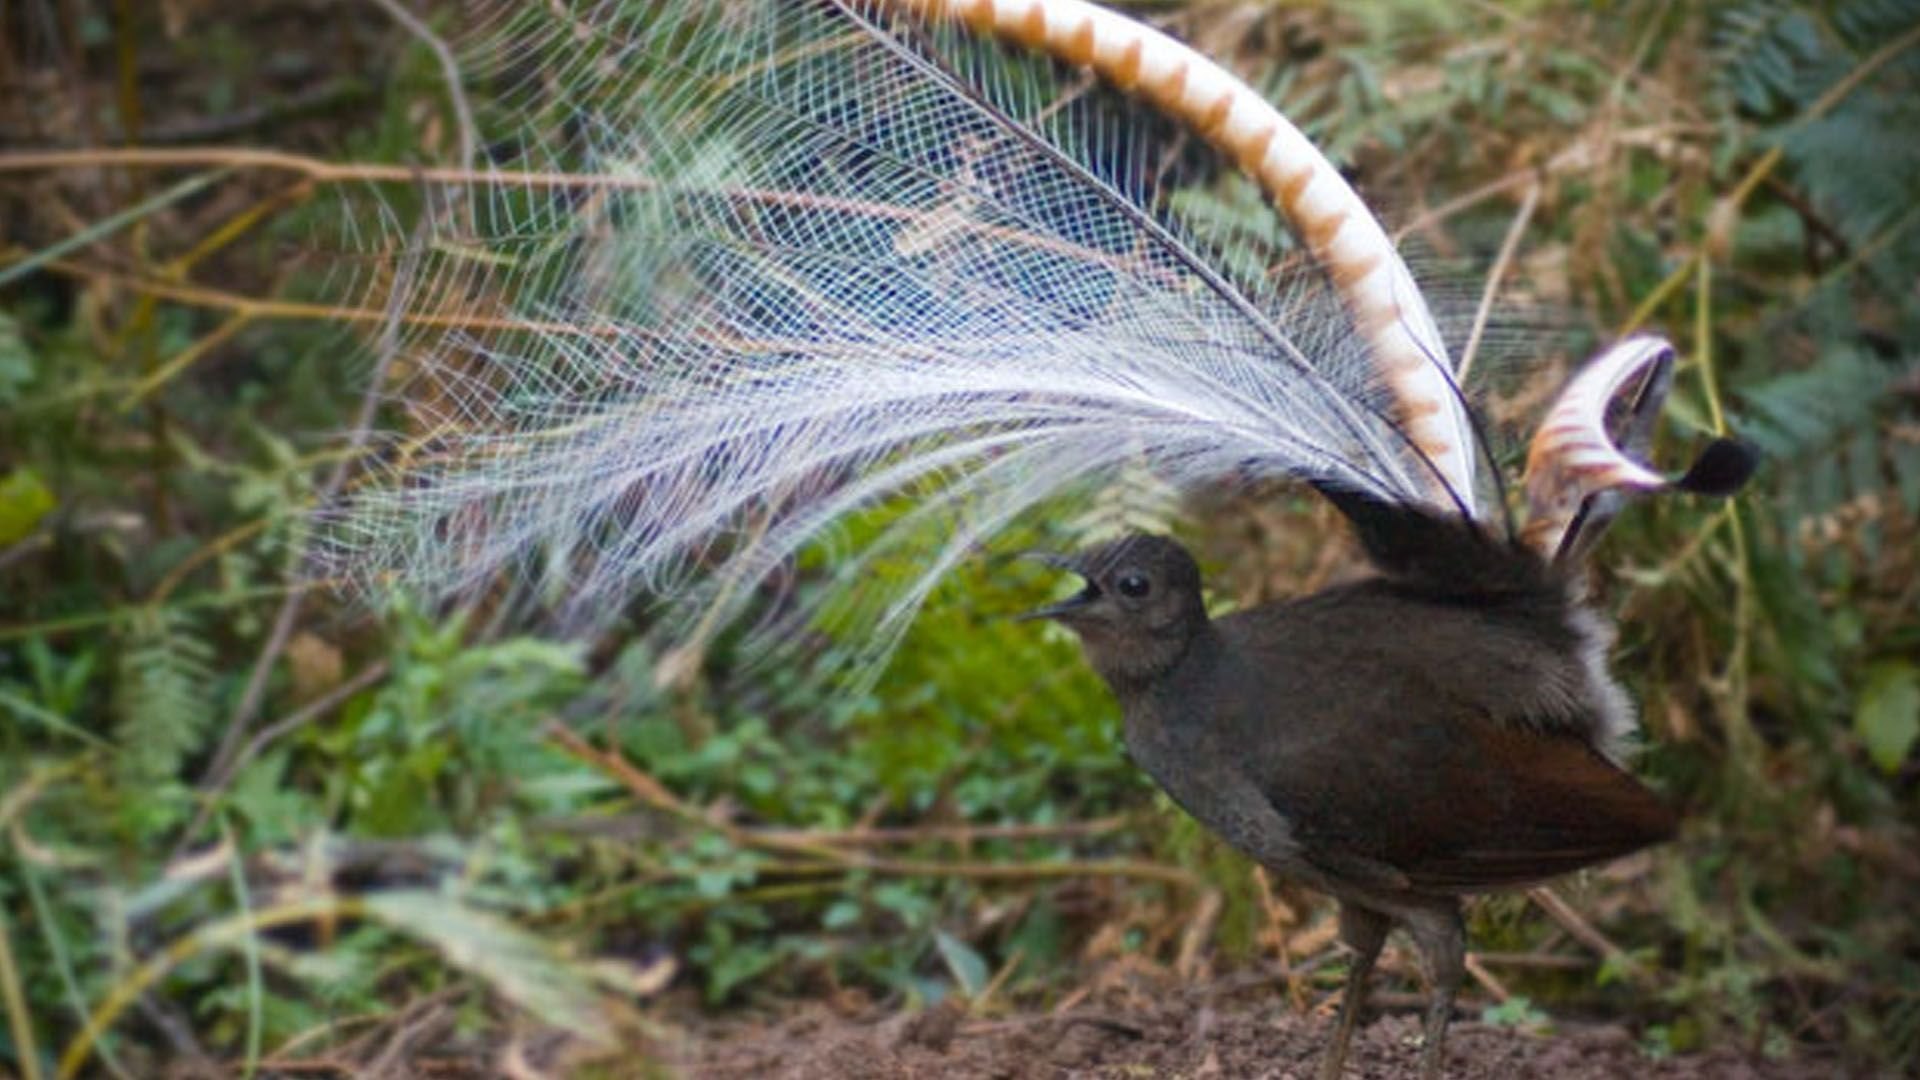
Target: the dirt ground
pixel 1185 1037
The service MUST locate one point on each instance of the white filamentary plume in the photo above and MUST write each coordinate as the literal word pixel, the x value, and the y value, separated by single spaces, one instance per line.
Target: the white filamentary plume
pixel 1379 292
pixel 803 271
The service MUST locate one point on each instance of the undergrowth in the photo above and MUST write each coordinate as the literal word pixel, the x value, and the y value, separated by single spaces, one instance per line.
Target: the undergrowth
pixel 239 812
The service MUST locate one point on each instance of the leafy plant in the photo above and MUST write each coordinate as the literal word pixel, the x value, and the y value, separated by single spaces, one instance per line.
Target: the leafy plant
pixel 464 809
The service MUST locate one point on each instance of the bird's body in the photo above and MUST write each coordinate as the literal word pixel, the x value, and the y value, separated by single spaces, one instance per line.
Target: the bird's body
pixel 1405 743
pixel 1396 742
pixel 819 261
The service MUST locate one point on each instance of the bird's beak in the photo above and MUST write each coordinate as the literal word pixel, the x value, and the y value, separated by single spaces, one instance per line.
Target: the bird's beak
pixel 1063 609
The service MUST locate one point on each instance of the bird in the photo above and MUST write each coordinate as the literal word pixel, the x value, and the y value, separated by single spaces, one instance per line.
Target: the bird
pixel 1444 726
pixel 744 284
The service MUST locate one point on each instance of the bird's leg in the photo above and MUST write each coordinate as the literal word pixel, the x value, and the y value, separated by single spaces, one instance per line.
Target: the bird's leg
pixel 1364 932
pixel 1442 939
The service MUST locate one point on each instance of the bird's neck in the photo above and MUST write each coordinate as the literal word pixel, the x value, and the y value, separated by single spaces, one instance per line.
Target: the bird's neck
pixel 1132 666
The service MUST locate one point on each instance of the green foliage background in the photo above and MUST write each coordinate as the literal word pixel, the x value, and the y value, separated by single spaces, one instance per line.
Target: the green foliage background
pixel 402 821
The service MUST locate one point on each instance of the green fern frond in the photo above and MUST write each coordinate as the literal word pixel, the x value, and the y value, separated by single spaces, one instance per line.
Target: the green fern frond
pixel 163 694
pixel 1760 49
pixel 1136 501
pixel 1803 413
pixel 1874 20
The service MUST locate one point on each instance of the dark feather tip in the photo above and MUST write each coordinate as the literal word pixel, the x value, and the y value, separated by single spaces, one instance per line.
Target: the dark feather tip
pixel 1722 469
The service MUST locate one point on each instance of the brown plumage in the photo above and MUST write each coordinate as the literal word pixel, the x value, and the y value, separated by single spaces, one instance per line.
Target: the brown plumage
pixel 1446 727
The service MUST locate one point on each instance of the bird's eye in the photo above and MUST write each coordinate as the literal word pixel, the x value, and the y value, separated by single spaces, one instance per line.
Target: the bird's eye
pixel 1133 585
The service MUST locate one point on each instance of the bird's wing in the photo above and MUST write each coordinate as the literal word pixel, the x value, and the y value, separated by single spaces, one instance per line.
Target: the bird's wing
pixel 1556 806
pixel 1469 805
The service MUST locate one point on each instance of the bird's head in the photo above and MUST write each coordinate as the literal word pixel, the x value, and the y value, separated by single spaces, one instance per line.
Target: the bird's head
pixel 1140 610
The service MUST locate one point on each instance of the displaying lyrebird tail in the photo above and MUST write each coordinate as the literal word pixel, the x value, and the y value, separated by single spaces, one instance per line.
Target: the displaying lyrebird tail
pixel 764 269
pixel 790 262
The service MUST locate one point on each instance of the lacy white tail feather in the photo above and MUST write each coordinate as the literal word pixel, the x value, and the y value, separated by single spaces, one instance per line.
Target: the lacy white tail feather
pixel 779 270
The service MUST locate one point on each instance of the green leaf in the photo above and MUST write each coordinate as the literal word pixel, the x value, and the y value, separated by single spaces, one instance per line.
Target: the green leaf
pixel 109 225
pixel 966 965
pixel 24 500
pixel 840 915
pixel 1517 1011
pixel 165 696
pixel 515 964
pixel 1887 717
pixel 26 710
pixel 16 360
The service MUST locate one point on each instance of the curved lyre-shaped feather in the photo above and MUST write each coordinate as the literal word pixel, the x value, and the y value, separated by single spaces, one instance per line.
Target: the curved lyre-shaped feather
pixel 1589 450
pixel 1373 281
pixel 1574 455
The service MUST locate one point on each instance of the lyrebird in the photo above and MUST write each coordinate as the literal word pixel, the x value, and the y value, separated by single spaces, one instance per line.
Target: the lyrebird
pixel 795 263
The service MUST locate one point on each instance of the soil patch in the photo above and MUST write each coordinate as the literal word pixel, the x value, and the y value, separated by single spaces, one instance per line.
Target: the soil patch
pixel 1185 1037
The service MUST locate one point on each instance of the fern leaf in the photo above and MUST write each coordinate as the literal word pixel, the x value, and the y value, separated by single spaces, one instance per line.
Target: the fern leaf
pixel 163 695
